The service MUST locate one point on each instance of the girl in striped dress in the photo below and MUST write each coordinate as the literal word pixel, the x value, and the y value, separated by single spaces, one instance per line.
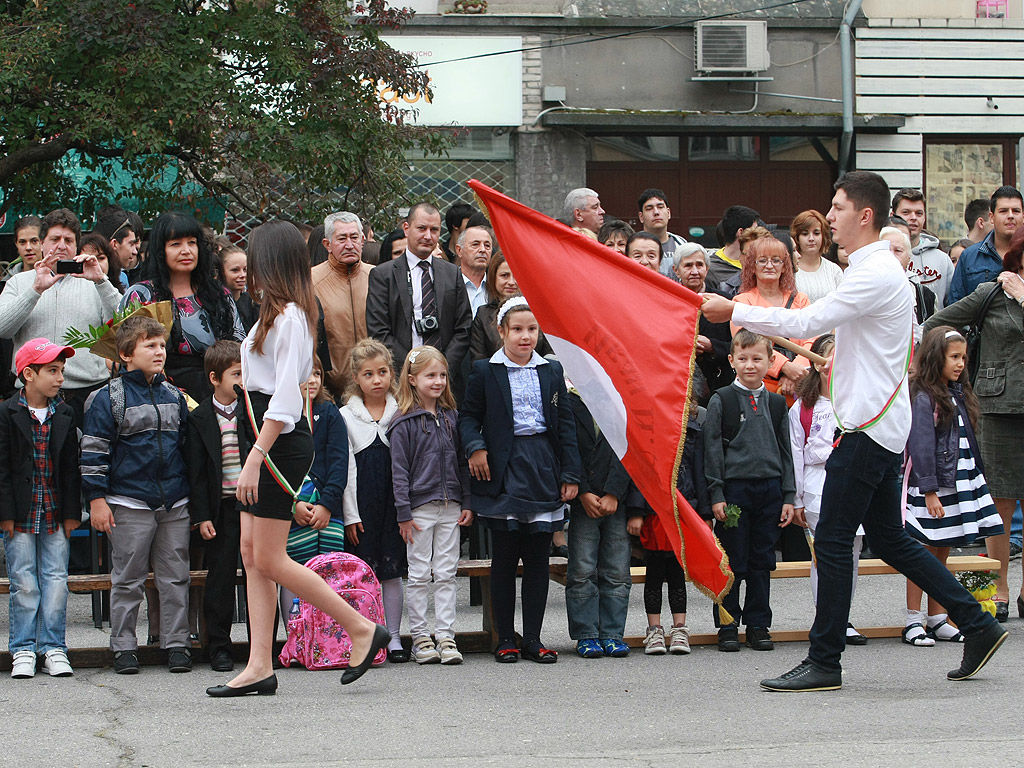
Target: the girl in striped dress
pixel 948 503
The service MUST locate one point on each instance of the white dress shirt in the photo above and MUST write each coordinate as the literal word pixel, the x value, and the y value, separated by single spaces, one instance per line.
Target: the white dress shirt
pixel 872 312
pixel 477 294
pixel 416 272
pixel 283 368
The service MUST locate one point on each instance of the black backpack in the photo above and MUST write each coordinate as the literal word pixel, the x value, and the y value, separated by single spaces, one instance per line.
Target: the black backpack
pixel 732 408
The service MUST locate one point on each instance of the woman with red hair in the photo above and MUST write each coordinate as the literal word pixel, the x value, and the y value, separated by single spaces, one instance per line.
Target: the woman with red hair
pixel 816 276
pixel 767 281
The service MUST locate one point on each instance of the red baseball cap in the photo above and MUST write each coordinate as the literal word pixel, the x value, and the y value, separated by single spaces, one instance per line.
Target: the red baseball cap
pixel 38 352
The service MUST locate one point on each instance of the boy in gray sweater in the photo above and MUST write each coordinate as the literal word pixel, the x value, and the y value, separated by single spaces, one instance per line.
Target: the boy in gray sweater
pixel 748 463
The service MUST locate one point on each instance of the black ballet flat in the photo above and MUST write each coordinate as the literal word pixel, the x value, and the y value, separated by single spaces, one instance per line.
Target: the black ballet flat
pixel 265 687
pixel 381 637
pixel 1002 610
pixel 1020 606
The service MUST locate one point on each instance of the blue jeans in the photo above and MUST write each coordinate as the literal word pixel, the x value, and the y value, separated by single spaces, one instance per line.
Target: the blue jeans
pixel 1016 526
pixel 597 580
pixel 863 486
pixel 38 567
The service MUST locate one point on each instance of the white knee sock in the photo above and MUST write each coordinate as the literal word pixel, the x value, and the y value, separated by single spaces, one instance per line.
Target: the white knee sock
pixel 391 591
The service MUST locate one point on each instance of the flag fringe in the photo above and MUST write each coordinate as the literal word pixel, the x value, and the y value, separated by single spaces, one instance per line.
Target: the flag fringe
pixel 724 564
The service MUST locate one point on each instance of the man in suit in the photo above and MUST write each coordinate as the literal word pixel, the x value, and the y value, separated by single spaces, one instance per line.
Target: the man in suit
pixel 419 299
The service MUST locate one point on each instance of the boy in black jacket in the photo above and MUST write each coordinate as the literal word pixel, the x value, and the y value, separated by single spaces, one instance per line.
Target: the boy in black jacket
pixel 39 507
pixel 213 455
pixel 597 580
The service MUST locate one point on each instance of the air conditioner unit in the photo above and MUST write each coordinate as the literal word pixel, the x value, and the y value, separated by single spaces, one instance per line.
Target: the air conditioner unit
pixel 732 46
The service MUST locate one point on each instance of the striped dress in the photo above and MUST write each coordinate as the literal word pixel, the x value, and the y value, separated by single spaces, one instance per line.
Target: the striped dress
pixel 969 511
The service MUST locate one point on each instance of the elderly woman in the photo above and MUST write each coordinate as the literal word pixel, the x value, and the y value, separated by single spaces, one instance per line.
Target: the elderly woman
pixel 816 276
pixel 690 265
pixel 767 281
pixel 615 233
pixel 1000 390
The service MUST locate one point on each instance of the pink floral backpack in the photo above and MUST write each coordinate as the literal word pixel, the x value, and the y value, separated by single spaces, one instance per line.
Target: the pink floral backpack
pixel 315 640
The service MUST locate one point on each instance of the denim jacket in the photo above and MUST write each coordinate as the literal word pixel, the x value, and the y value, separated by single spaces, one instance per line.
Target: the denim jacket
pixel 934 452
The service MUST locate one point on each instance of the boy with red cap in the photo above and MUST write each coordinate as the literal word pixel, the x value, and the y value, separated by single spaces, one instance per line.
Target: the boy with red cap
pixel 39 507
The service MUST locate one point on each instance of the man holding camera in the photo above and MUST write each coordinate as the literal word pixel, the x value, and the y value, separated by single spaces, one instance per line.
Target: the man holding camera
pixel 418 299
pixel 65 289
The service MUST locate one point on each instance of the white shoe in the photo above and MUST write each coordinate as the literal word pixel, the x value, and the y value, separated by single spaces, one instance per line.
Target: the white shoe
pixel 56 663
pixel 654 642
pixel 449 651
pixel 424 652
pixel 23 665
pixel 679 639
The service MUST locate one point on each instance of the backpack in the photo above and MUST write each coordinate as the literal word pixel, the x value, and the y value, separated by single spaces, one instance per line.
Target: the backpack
pixel 732 409
pixel 315 640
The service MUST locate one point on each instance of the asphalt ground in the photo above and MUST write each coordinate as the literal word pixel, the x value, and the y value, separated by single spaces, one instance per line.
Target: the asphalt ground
pixel 896 707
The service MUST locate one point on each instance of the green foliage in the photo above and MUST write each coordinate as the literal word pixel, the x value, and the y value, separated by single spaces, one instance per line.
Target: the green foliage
pixel 732 516
pixel 244 101
pixel 975 580
pixel 85 339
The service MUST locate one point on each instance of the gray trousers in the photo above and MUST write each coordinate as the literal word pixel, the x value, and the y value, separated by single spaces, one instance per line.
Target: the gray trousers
pixel 140 537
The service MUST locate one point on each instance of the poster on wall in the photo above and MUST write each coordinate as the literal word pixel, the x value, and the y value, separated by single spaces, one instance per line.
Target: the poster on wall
pixel 485 90
pixel 957 174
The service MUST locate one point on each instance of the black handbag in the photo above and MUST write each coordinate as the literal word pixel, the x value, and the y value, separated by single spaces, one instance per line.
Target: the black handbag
pixel 973 334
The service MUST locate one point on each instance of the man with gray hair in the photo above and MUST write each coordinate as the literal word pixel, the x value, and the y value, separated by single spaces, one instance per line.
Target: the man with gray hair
pixel 583 212
pixel 341 284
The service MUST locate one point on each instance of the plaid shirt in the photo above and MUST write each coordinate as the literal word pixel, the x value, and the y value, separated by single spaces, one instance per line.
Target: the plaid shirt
pixel 42 518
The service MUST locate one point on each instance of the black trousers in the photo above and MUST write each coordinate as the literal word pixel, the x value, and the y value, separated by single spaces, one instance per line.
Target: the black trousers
pixel 221 563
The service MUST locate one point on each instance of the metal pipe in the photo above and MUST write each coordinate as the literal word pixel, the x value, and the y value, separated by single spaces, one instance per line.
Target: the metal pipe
pixel 846 55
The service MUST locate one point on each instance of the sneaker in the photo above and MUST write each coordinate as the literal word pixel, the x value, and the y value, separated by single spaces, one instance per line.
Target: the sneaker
pixel 654 642
pixel 449 651
pixel 126 663
pixel 978 650
pixel 728 639
pixel 56 664
pixel 759 639
pixel 424 652
pixel 1015 550
pixel 805 677
pixel 589 648
pixel 679 639
pixel 179 659
pixel 23 665
pixel 614 647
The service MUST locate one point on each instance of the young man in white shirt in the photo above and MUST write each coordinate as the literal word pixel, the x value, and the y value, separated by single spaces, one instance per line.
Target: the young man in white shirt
pixel 872 313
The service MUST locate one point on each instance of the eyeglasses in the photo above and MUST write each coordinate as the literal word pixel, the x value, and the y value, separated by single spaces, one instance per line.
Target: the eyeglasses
pixel 764 262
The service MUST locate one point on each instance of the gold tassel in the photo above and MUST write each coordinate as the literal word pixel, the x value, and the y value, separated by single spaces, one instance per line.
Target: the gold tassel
pixel 724 618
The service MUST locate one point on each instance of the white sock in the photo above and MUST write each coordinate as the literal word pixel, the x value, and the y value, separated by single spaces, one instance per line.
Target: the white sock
pixel 917 617
pixel 946 631
pixel 391 592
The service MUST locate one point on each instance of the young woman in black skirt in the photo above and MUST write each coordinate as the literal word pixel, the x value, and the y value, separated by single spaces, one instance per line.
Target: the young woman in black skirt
pixel 277 359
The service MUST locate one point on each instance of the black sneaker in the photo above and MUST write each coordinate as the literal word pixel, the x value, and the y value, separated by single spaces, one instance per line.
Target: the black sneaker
pixel 728 640
pixel 759 639
pixel 805 677
pixel 221 661
pixel 978 650
pixel 126 663
pixel 179 659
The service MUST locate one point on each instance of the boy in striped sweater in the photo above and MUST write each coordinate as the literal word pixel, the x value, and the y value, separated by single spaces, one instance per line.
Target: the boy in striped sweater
pixel 213 454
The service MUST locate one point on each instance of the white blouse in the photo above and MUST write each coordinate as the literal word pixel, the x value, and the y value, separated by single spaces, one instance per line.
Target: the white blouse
pixel 283 368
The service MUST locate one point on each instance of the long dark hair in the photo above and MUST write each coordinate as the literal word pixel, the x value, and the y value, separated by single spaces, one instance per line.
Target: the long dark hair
pixel 208 290
pixel 100 243
pixel 926 376
pixel 808 389
pixel 279 273
pixel 385 245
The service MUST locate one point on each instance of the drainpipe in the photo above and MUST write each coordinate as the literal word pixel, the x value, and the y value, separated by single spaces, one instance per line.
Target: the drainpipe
pixel 846 53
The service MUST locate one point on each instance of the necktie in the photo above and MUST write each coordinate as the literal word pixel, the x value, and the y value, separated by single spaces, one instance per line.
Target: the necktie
pixel 428 302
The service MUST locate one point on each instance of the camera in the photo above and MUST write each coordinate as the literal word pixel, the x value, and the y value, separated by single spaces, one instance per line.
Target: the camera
pixel 427 324
pixel 69 267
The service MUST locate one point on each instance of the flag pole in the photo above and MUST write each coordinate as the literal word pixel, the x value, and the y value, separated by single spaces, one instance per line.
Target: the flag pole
pixel 792 346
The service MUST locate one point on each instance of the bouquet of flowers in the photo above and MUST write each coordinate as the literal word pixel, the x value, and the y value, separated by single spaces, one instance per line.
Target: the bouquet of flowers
pixel 99 339
pixel 982 586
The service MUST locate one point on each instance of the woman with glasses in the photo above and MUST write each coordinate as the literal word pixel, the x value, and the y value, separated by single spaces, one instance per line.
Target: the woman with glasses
pixel 767 281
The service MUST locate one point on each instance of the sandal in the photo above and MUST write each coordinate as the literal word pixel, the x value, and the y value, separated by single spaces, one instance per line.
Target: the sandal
pixel 932 633
pixel 921 640
pixel 536 651
pixel 506 653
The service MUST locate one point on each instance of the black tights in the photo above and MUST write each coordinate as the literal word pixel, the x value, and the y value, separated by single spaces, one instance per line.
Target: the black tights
pixel 662 567
pixel 508 547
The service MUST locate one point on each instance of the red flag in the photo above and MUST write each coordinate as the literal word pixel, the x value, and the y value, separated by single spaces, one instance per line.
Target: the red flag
pixel 626 337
